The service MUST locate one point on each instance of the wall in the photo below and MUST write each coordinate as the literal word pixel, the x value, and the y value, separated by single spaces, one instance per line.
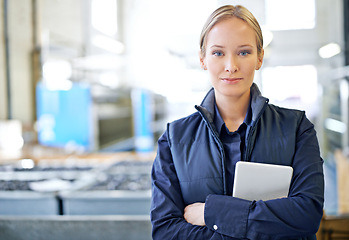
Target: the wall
pixel 161 44
pixel 62 27
pixel 59 23
pixel 20 46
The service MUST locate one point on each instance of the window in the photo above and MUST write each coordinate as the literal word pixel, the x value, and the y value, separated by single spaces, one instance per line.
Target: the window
pixel 104 16
pixel 290 15
pixel 291 86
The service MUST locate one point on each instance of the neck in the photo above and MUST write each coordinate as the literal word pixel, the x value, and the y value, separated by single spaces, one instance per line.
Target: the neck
pixel 233 110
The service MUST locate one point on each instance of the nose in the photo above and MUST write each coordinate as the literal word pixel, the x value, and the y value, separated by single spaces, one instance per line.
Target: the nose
pixel 231 65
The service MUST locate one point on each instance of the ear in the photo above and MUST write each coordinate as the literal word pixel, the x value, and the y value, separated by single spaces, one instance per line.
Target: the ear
pixel 260 60
pixel 202 61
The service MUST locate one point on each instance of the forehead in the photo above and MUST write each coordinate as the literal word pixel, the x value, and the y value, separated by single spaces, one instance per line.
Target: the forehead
pixel 231 31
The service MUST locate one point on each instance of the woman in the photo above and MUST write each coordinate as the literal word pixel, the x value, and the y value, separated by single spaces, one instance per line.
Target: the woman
pixel 192 175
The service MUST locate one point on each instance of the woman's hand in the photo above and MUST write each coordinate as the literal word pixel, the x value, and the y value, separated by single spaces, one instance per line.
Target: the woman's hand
pixel 194 214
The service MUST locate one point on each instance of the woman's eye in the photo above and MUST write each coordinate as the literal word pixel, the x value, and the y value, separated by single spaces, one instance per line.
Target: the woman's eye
pixel 244 53
pixel 217 53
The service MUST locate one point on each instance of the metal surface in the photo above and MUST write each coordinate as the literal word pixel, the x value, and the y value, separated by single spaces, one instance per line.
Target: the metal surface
pixel 76 227
pixel 106 203
pixel 119 188
pixel 28 203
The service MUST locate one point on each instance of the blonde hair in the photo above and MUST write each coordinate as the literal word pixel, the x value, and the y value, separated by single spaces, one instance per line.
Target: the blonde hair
pixel 225 12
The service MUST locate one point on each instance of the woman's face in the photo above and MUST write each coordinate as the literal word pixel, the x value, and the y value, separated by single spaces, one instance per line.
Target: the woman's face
pixel 231 57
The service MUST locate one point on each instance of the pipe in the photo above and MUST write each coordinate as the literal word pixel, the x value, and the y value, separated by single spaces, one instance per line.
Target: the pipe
pixel 7 60
pixel 35 57
pixel 346 30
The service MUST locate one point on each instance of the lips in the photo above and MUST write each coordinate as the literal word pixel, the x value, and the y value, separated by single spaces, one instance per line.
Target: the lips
pixel 231 80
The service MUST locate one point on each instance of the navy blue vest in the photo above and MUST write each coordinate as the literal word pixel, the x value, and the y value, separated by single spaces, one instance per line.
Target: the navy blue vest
pixel 198 153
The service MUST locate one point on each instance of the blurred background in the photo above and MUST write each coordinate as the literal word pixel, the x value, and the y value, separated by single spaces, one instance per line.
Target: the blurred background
pixel 87 87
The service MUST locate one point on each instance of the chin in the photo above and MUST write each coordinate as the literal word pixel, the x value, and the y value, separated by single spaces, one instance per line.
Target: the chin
pixel 232 92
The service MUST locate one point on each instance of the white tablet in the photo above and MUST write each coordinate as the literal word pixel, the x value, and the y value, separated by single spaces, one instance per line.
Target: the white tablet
pixel 260 181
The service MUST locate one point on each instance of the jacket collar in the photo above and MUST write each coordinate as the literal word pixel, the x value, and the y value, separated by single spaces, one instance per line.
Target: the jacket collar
pixel 257 103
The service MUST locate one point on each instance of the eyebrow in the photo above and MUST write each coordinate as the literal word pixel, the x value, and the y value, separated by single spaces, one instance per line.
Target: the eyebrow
pixel 216 46
pixel 246 45
pixel 220 46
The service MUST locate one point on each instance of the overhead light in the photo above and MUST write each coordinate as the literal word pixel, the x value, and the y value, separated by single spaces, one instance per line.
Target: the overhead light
pixel 329 50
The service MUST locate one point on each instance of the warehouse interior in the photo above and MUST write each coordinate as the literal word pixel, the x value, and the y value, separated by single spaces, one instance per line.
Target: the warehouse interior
pixel 88 86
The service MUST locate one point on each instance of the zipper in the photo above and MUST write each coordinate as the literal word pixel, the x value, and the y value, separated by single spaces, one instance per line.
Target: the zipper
pixel 220 144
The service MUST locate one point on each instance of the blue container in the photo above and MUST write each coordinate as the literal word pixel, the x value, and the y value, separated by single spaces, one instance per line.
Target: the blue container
pixel 65 116
pixel 142 119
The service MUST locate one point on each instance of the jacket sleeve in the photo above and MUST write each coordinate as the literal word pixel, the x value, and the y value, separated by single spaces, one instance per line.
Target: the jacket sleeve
pixel 167 206
pixel 296 216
